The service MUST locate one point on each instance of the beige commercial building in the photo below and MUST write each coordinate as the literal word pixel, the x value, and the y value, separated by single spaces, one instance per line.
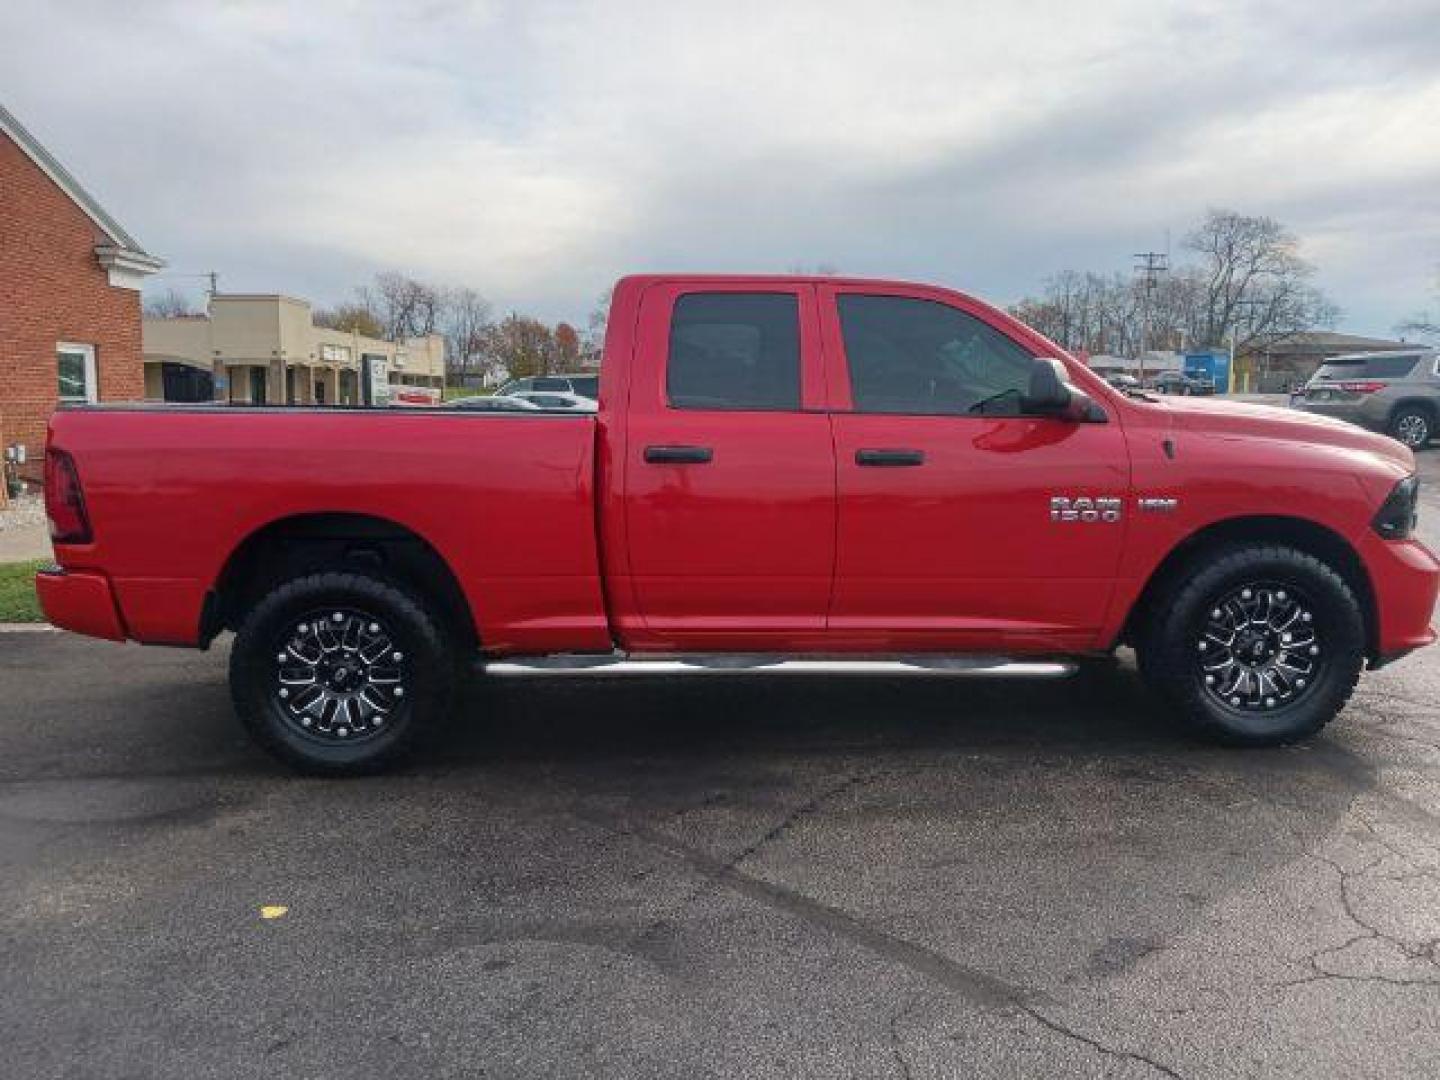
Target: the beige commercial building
pixel 255 349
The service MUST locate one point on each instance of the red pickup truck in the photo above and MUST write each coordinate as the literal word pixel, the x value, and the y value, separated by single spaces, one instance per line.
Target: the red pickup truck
pixel 784 474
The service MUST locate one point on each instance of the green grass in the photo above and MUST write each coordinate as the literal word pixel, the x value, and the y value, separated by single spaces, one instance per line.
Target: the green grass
pixel 17 592
pixel 451 392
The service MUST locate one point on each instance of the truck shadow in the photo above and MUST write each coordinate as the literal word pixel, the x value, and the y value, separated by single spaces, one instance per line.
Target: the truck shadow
pixel 666 743
pixel 578 717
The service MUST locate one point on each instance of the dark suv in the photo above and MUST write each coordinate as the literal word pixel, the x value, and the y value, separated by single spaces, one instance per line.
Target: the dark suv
pixel 1182 382
pixel 1394 392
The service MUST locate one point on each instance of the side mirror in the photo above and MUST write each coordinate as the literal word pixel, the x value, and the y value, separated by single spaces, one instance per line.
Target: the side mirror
pixel 1051 394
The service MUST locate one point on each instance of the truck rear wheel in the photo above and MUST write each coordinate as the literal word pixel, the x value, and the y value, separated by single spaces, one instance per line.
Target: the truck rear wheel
pixel 340 674
pixel 1256 646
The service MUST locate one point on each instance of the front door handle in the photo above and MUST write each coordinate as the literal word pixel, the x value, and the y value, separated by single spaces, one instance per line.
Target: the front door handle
pixel 890 459
pixel 678 455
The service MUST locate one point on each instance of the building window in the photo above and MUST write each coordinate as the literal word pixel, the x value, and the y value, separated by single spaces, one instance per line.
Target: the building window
pixel 182 382
pixel 75 365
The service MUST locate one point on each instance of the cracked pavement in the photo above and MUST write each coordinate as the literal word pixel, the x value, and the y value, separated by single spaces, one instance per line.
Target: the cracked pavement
pixel 727 877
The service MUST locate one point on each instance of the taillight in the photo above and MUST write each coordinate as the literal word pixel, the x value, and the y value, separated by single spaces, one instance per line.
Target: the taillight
pixel 64 501
pixel 1362 387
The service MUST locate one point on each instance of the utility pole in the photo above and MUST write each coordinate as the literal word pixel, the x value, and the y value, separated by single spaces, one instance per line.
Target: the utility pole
pixel 1248 306
pixel 214 277
pixel 1150 265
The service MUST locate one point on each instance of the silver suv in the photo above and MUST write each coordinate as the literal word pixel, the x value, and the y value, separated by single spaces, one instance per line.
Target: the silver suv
pixel 587 386
pixel 1394 392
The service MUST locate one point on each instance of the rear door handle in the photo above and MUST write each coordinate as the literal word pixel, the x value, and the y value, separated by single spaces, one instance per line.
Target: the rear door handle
pixel 678 455
pixel 890 459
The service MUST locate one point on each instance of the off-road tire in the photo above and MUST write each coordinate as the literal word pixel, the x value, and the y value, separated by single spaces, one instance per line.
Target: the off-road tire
pixel 1168 644
pixel 428 678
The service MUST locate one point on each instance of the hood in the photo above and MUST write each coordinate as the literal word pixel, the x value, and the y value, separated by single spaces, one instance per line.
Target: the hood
pixel 1219 416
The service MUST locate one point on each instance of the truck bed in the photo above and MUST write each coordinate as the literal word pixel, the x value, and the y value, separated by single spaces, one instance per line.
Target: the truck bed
pixel 505 499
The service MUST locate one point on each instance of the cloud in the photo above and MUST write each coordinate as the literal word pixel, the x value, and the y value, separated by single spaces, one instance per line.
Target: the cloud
pixel 536 150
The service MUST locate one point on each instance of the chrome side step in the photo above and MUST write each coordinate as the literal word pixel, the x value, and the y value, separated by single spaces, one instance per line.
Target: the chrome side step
pixel 741 663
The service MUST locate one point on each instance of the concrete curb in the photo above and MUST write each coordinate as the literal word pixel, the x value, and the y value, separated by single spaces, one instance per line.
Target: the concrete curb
pixel 28 628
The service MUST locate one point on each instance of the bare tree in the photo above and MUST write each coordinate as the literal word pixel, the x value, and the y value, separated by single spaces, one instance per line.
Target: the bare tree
pixel 592 342
pixel 403 306
pixel 352 318
pixel 1424 325
pixel 1089 311
pixel 171 304
pixel 1248 281
pixel 1254 285
pixel 465 321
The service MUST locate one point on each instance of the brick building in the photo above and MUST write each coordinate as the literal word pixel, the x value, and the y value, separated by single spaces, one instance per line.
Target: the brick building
pixel 70 281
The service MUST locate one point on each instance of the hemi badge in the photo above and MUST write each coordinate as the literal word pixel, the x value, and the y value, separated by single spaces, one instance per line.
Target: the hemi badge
pixel 1158 506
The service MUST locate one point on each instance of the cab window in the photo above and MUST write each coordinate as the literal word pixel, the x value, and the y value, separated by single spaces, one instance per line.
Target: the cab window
pixel 913 356
pixel 734 351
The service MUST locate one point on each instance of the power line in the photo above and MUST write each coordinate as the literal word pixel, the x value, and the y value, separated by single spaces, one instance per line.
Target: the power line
pixel 1150 266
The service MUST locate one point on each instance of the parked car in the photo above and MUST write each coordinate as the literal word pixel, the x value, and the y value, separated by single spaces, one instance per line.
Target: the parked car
pixel 586 385
pixel 1122 381
pixel 929 492
pixel 1395 392
pixel 410 397
pixel 1183 383
pixel 556 400
pixel 494 403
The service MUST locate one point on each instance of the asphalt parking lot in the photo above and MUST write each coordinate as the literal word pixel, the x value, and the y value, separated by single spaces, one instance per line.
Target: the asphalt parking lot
pixel 723 877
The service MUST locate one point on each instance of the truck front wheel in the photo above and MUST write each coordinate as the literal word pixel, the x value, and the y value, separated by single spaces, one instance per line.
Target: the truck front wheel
pixel 1255 645
pixel 339 674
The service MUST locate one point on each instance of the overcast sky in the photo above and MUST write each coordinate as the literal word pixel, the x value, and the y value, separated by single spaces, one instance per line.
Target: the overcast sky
pixel 538 150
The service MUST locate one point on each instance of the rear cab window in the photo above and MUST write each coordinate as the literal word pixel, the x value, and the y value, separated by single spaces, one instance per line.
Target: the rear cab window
pixel 734 351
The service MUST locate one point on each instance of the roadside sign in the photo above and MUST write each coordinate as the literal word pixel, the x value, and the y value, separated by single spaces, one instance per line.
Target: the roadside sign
pixel 375 379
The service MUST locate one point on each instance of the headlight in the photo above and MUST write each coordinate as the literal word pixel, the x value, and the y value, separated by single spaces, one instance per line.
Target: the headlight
pixel 1397 517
